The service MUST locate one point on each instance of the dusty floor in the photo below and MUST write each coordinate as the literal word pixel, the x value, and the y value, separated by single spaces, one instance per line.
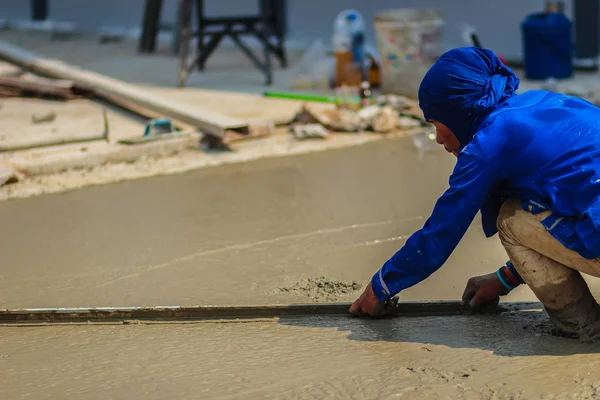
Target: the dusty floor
pixel 241 233
pixel 477 357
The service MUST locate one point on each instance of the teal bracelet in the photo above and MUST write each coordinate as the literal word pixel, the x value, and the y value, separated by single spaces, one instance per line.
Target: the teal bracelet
pixel 514 273
pixel 506 285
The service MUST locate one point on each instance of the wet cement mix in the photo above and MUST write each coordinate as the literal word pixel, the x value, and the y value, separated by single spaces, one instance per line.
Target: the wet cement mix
pixel 322 289
pixel 509 356
pixel 302 229
pixel 236 234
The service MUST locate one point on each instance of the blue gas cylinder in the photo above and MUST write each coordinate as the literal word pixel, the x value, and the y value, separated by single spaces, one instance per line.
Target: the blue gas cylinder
pixel 547 46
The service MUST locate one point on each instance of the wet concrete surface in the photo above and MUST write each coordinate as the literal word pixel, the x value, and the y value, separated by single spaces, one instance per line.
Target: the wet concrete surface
pixel 235 234
pixel 470 357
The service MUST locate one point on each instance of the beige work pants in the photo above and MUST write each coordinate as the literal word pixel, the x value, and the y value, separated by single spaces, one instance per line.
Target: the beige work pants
pixel 551 270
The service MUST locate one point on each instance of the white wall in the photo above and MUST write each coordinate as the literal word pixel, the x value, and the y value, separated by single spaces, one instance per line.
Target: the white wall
pixel 497 21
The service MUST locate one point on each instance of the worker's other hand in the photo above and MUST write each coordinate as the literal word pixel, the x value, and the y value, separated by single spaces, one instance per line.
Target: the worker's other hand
pixel 369 305
pixel 483 291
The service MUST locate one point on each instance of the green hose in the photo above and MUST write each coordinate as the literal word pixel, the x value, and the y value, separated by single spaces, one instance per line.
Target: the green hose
pixel 301 96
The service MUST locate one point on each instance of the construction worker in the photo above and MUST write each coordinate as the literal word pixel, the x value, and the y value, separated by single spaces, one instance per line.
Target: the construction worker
pixel 531 164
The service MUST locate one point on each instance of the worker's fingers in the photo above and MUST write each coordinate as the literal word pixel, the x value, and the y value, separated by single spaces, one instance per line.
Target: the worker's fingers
pixel 355 308
pixel 469 292
pixel 480 301
pixel 382 309
pixel 357 312
pixel 385 308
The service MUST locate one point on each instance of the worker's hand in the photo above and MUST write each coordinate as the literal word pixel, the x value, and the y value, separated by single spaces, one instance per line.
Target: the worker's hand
pixel 368 305
pixel 483 291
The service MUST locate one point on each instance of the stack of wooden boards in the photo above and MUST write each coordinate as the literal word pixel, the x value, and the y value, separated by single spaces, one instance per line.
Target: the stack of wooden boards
pixel 16 82
pixel 29 85
pixel 123 94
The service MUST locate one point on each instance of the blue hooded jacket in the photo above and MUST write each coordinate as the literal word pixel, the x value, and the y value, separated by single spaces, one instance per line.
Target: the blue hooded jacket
pixel 540 147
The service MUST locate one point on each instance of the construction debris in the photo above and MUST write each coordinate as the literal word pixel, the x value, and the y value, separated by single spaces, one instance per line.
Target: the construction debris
pixel 368 114
pixel 335 119
pixel 376 118
pixel 256 130
pixel 343 120
pixel 54 124
pixel 309 131
pixel 29 85
pixel 385 121
pixel 408 123
pixel 379 119
pixel 7 174
pixel 397 102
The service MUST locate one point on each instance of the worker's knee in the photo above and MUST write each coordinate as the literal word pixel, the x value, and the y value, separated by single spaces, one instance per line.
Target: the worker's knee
pixel 508 220
pixel 517 226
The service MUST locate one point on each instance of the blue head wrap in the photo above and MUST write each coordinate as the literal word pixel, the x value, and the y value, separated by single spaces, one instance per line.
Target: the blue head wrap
pixel 463 87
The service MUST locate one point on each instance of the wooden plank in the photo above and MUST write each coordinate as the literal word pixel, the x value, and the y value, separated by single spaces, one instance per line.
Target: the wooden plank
pixel 10 92
pixel 251 108
pixel 38 85
pixel 178 313
pixel 143 111
pixel 123 93
pixel 53 142
pixel 57 140
pixel 9 69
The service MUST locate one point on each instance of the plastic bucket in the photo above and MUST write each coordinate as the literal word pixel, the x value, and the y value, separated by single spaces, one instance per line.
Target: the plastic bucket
pixel 408 41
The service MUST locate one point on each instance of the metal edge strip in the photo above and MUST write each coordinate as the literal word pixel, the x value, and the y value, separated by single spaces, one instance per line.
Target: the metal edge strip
pixel 182 313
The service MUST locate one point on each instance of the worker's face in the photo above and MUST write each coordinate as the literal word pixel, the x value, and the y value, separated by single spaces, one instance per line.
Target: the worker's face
pixel 445 137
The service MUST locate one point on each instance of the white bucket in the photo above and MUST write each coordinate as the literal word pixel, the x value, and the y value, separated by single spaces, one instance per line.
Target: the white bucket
pixel 408 42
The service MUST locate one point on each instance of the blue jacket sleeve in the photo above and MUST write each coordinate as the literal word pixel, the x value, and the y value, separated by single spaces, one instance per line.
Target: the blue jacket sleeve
pixel 427 249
